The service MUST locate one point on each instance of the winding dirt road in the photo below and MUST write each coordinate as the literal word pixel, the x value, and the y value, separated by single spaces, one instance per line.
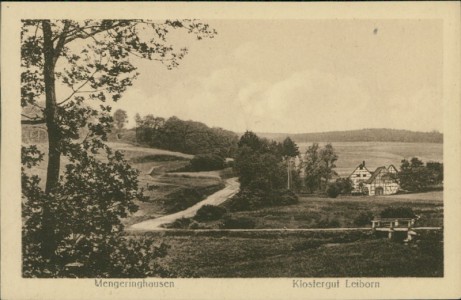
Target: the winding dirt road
pixel 232 187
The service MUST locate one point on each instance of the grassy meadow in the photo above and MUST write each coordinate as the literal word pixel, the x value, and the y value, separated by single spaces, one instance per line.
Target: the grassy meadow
pixel 318 212
pixel 299 254
pixel 332 253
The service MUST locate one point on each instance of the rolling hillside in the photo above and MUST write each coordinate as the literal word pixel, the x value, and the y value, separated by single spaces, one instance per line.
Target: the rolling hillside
pixel 361 135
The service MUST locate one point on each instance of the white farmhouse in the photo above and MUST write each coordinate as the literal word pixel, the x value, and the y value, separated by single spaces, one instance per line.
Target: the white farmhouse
pixel 383 181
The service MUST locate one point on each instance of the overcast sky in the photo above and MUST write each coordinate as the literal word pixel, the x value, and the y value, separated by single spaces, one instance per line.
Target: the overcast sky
pixel 301 76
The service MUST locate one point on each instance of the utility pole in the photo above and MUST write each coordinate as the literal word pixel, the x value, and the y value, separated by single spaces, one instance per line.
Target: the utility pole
pixel 288 171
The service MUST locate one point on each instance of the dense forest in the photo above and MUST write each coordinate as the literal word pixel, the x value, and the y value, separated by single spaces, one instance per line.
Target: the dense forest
pixel 184 136
pixel 362 135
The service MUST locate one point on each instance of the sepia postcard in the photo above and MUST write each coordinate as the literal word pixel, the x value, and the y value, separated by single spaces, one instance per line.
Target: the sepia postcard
pixel 230 150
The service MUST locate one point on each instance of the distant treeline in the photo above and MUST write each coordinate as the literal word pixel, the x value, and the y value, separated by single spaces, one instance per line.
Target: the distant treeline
pixel 189 137
pixel 363 135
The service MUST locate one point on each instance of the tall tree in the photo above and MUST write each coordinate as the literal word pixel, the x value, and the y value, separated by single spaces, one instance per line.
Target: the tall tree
pixel 120 118
pixel 289 148
pixel 328 157
pixel 90 60
pixel 319 164
pixel 289 151
pixel 94 60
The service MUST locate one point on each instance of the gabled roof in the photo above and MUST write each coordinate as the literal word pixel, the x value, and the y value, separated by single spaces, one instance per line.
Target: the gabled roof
pixel 375 174
pixel 392 166
pixel 359 167
pixel 380 170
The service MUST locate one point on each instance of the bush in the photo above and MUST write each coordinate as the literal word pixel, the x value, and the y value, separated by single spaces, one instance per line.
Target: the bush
pixel 184 198
pixel 398 212
pixel 206 162
pixel 156 157
pixel 284 197
pixel 333 190
pixel 364 218
pixel 248 199
pixel 209 213
pixel 344 185
pixel 182 223
pixel 237 223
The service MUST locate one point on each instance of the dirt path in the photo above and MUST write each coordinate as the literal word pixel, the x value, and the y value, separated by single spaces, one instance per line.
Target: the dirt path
pixel 231 188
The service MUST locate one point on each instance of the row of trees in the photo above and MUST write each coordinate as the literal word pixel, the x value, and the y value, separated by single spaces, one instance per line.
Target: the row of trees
pixel 267 165
pixel 184 136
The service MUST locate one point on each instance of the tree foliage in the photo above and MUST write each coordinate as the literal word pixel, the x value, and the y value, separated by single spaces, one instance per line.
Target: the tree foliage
pixel 289 148
pixel 210 213
pixel 397 212
pixel 259 163
pixel 206 162
pixel 185 136
pixel 120 118
pixel 333 190
pixel 364 218
pixel 262 174
pixel 72 227
pixel 415 176
pixel 319 164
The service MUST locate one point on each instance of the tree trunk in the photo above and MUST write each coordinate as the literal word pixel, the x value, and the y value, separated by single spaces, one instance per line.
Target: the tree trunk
pixel 54 152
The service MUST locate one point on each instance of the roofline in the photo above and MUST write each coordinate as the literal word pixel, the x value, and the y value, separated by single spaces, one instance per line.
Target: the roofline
pixel 391 165
pixel 375 173
pixel 357 168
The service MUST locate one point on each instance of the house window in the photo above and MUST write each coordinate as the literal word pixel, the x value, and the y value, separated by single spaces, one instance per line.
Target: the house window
pixel 364 175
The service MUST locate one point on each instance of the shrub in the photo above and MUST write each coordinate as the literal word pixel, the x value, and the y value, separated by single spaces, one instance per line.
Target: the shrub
pixel 364 218
pixel 237 223
pixel 156 157
pixel 397 212
pixel 210 213
pixel 248 199
pixel 184 198
pixel 207 162
pixel 344 185
pixel 333 190
pixel 284 197
pixel 182 223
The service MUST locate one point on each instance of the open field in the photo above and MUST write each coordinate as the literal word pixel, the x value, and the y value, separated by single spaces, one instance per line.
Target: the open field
pixel 307 254
pixel 377 154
